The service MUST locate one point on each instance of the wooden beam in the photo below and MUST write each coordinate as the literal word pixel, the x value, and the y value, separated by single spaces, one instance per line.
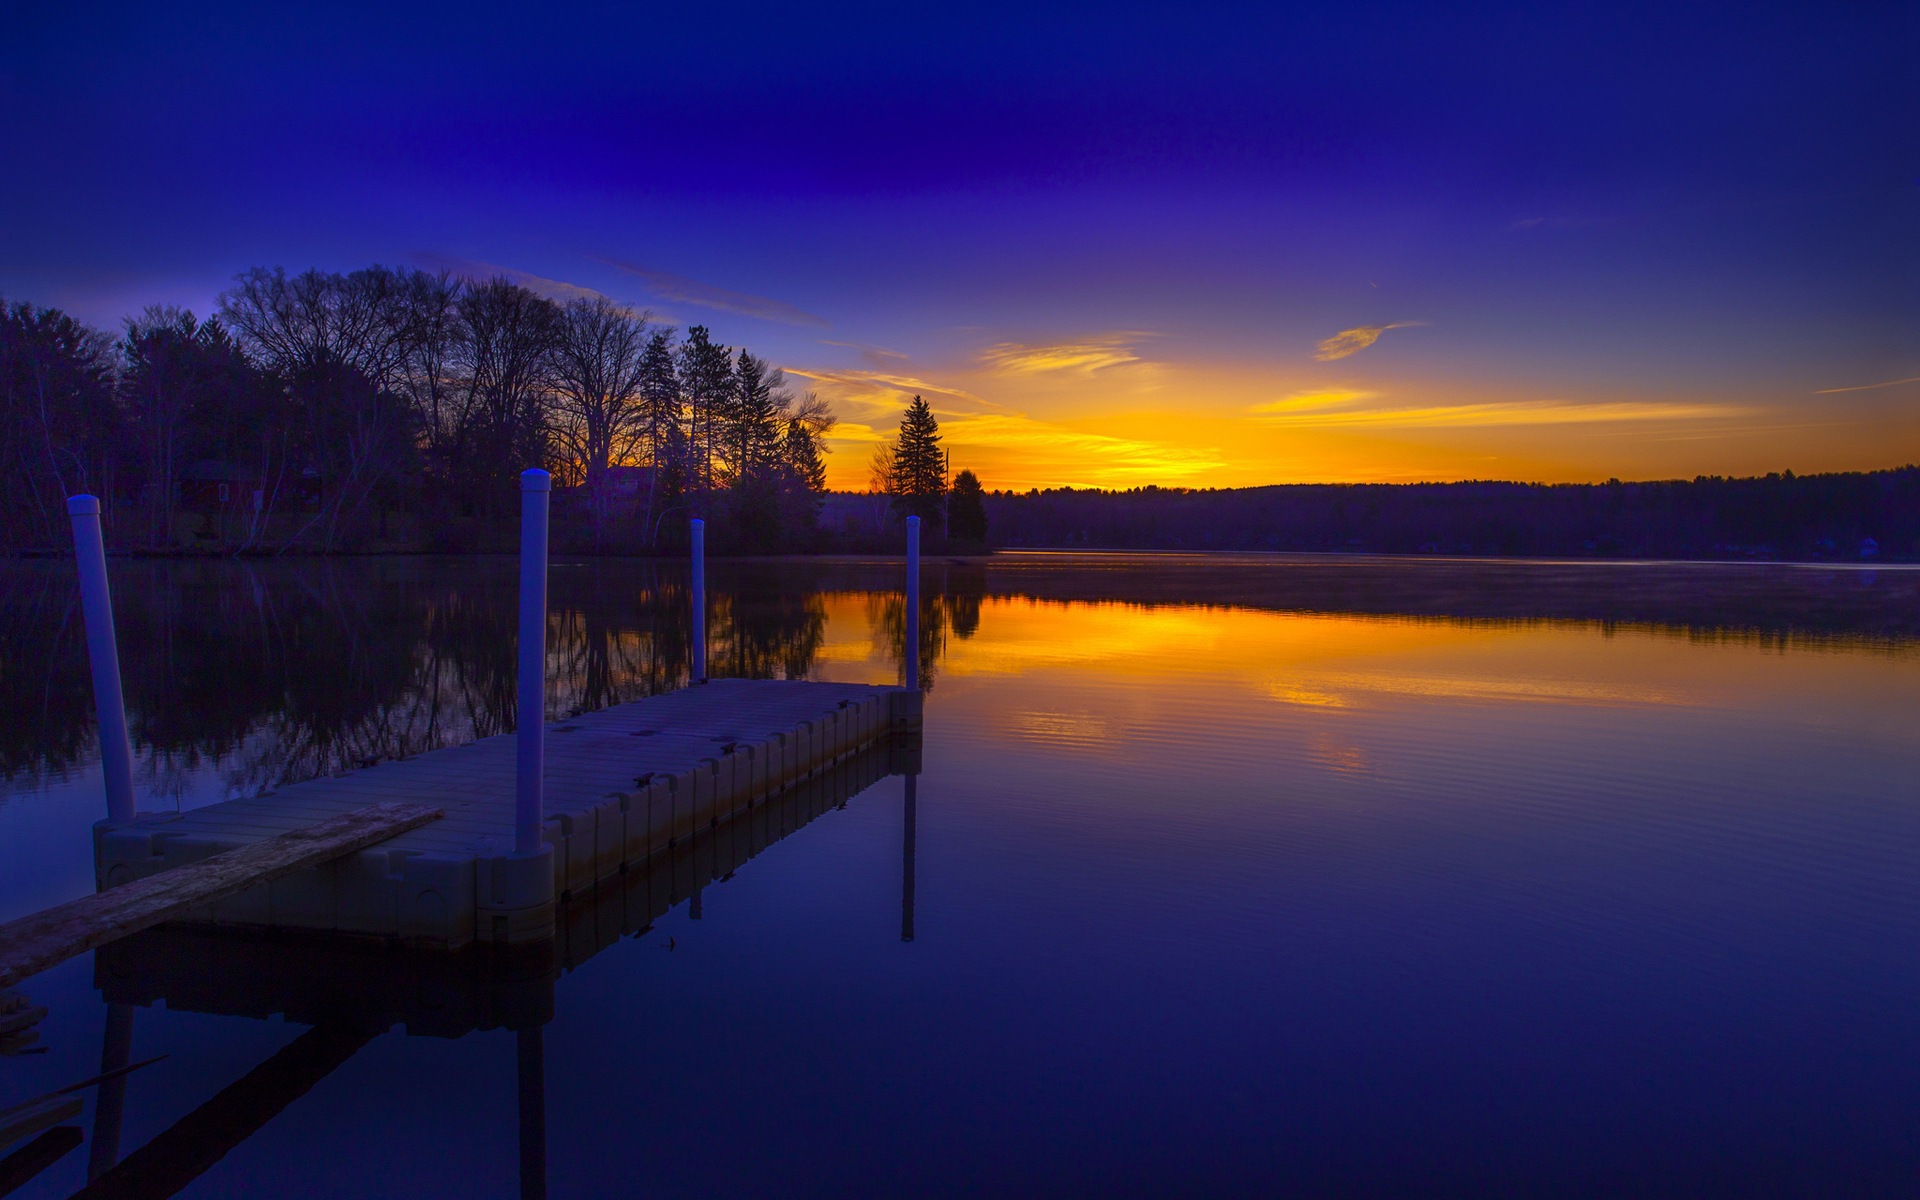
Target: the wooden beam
pixel 32 944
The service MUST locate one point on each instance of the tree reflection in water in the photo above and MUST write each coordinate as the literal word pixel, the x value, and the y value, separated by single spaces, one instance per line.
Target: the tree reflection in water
pixel 271 672
pixel 265 672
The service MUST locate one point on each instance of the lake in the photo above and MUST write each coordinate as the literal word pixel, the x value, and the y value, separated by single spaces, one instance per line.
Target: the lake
pixel 1223 875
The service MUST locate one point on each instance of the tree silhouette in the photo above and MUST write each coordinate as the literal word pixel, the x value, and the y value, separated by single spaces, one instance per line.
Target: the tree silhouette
pixel 967 510
pixel 917 475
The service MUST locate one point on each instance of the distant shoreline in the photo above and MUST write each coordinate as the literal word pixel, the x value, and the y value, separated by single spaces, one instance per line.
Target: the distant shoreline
pixel 1011 553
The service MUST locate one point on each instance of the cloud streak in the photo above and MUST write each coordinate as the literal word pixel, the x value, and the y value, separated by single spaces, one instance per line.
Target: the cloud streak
pixel 1349 342
pixel 552 289
pixel 1093 354
pixel 877 355
pixel 1310 402
pixel 1867 387
pixel 1508 413
pixel 682 290
pixel 883 392
pixel 1056 450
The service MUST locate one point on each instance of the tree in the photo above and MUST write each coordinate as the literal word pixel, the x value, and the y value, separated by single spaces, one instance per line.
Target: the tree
pixel 340 344
pixel 600 418
pixel 433 343
pixel 751 423
pixel 355 436
pixel 967 510
pixel 58 423
pixel 801 467
pixel 917 476
pixel 666 433
pixel 880 469
pixel 190 394
pixel 706 387
pixel 506 367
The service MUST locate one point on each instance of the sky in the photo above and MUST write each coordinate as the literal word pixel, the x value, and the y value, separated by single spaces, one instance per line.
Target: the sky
pixel 1184 245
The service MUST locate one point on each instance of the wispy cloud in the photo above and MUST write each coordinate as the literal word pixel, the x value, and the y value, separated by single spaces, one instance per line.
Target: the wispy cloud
pixel 552 289
pixel 1349 342
pixel 879 356
pixel 1310 401
pixel 1063 453
pixel 1092 354
pixel 857 431
pixel 1867 387
pixel 879 393
pixel 1558 222
pixel 682 290
pixel 1518 412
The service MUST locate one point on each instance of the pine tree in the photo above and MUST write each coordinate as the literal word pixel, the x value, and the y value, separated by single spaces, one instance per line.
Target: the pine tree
pixel 666 428
pixel 752 423
pixel 659 390
pixel 706 386
pixel 917 480
pixel 967 510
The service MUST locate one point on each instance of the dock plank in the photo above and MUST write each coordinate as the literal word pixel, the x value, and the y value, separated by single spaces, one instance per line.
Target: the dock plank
pixel 34 943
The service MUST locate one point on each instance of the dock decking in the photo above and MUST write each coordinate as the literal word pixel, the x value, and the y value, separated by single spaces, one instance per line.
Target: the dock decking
pixel 622 786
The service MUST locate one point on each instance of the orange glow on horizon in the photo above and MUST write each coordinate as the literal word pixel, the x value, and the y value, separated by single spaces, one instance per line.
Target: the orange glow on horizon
pixel 1096 414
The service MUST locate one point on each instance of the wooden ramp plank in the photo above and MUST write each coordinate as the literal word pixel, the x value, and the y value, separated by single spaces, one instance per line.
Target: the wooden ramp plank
pixel 32 944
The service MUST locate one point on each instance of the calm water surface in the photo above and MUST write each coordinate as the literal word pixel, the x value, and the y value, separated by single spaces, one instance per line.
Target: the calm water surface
pixel 1224 876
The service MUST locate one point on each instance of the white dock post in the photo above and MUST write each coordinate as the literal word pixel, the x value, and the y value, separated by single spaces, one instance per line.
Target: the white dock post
pixel 699 565
pixel 912 665
pixel 109 704
pixel 531 704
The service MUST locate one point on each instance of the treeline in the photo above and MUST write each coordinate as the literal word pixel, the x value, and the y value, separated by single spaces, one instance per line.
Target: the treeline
pixel 310 410
pixel 1853 516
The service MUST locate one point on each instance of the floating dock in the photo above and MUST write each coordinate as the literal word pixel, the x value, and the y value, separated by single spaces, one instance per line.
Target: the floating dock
pixel 624 787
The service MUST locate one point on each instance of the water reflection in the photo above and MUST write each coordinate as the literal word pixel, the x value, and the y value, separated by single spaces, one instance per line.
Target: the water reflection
pixel 263 673
pixel 350 992
pixel 1542 871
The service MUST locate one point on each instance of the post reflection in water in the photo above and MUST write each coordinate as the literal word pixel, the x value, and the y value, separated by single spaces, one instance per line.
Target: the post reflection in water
pixel 110 1100
pixel 533 1115
pixel 906 861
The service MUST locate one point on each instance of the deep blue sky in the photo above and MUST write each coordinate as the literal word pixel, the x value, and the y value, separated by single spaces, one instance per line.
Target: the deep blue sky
pixel 1107 243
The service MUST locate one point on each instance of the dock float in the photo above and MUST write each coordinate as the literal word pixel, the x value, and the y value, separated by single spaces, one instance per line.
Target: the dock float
pixel 32 944
pixel 622 786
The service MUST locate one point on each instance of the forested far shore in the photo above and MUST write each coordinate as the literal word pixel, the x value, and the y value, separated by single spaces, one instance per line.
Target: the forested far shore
pixel 1855 516
pixel 388 410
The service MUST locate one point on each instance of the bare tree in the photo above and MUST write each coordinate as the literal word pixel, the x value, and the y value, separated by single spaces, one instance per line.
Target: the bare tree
pixel 505 362
pixel 600 418
pixel 430 347
pixel 340 342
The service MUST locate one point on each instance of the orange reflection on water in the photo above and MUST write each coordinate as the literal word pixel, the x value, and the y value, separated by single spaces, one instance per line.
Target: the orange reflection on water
pixel 1358 694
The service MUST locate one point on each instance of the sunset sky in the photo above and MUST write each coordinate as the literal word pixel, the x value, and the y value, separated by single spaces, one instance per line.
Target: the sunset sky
pixel 1170 244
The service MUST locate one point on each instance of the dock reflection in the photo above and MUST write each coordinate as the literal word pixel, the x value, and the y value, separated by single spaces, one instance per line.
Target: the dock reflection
pixel 350 992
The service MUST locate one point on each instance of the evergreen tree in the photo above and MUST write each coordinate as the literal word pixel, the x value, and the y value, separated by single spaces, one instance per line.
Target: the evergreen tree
pixel 917 478
pixel 666 437
pixel 752 424
pixel 967 510
pixel 801 453
pixel 706 386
